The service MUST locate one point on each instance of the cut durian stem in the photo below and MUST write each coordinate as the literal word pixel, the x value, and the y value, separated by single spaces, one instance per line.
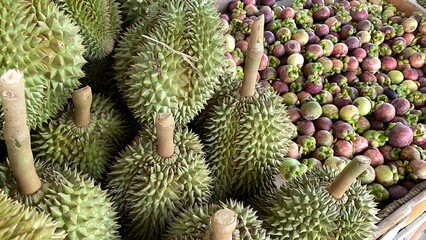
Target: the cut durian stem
pixel 348 175
pixel 82 99
pixel 16 132
pixel 254 55
pixel 165 126
pixel 223 223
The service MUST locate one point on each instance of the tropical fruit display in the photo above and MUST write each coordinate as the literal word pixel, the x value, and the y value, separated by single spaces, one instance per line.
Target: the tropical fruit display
pixel 210 119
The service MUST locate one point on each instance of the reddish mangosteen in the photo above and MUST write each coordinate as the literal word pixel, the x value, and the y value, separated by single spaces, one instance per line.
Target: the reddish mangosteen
pixel 305 127
pixel 396 19
pixel 360 144
pixel 267 2
pixel 319 2
pixel 332 38
pixel 313 38
pixel 323 123
pixel 362 125
pixel 417 60
pixel 292 46
pixel 351 76
pixel 388 63
pixel 280 87
pixel 269 74
pixel 388 152
pixel 341 100
pixel 401 105
pixel 283 34
pixel 313 85
pixel 263 62
pixel 287 13
pixel 321 30
pixel 347 31
pixel 360 54
pixel 389 32
pixel 364 25
pixel 242 45
pixel 343 148
pixel 278 50
pixel 375 155
pixel 409 153
pixel 372 49
pixel 333 23
pixel 418 168
pixel 400 136
pixel 337 65
pixel 383 80
pixel 267 12
pixel 352 43
pixel 293 150
pixel 249 2
pixel 294 114
pixel 371 64
pixel 269 37
pixel 384 112
pixel 313 52
pixel 368 77
pixel 409 38
pixel 324 138
pixel 322 14
pixel 343 130
pixel 410 74
pixel 251 10
pixel 359 13
pixel 304 96
pixel 351 64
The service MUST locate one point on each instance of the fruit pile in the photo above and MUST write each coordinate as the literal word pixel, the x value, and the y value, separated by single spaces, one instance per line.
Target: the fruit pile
pixel 169 120
pixel 352 74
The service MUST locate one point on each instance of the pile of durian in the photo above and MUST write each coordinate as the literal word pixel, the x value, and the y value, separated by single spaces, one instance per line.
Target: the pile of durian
pixel 124 119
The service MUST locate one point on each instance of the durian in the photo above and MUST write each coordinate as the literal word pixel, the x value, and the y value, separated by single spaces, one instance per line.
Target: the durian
pixel 322 204
pixel 171 61
pixel 85 136
pixel 20 222
pixel 99 22
pixel 81 208
pixel 247 132
pixel 195 223
pixel 134 9
pixel 38 38
pixel 159 174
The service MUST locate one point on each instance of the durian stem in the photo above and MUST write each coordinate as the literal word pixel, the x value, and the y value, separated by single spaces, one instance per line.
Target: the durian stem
pixel 16 132
pixel 223 222
pixel 253 57
pixel 348 175
pixel 82 99
pixel 165 125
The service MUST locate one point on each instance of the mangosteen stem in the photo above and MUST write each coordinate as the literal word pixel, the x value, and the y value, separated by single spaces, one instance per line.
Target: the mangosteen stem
pixel 348 175
pixel 82 99
pixel 254 55
pixel 16 132
pixel 223 223
pixel 165 125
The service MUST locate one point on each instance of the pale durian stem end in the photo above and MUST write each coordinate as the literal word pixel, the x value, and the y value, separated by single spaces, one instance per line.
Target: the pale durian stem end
pixel 348 175
pixel 165 126
pixel 82 99
pixel 223 223
pixel 16 132
pixel 254 55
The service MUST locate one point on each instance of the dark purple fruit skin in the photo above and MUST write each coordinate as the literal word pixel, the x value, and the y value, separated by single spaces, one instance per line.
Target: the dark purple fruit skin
pixel 342 130
pixel 294 114
pixel 386 152
pixel 280 87
pixel 269 3
pixel 269 37
pixel 278 50
pixel 397 192
pixel 360 144
pixel 401 105
pixel 321 30
pixel 323 123
pixel 364 25
pixel 305 127
pixel 312 87
pixel 340 50
pixel 400 136
pixel 360 54
pixel 351 76
pixel 407 184
pixel 368 77
pixel 384 112
pixel 324 138
pixel 409 153
pixel 375 155
pixel 358 16
pixel 343 148
pixel 353 43
pixel 321 14
pixel 347 31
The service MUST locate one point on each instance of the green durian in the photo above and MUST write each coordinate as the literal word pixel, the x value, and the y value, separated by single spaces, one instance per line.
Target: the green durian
pixel 44 43
pixel 99 22
pixel 150 188
pixel 88 146
pixel 20 222
pixel 134 9
pixel 82 209
pixel 171 62
pixel 194 223
pixel 305 207
pixel 246 136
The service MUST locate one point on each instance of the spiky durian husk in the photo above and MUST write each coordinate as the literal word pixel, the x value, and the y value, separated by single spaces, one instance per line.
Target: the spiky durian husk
pixel 82 209
pixel 89 149
pixel 99 22
pixel 194 223
pixel 246 140
pixel 44 44
pixel 20 222
pixel 149 189
pixel 155 76
pixel 303 209
pixel 134 9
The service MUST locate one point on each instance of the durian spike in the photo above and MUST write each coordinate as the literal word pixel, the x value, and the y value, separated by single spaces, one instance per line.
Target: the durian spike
pixel 165 126
pixel 16 132
pixel 223 223
pixel 348 175
pixel 82 99
pixel 254 55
